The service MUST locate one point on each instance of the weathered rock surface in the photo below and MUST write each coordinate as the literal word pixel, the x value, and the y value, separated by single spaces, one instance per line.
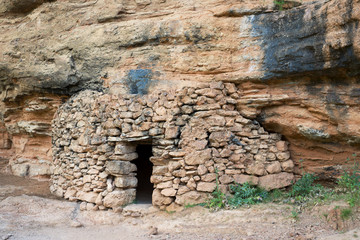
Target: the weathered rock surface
pixel 297 70
pixel 25 133
pixel 20 6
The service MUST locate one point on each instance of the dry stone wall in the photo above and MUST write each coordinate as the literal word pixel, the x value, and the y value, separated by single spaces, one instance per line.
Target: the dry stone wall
pixel 196 135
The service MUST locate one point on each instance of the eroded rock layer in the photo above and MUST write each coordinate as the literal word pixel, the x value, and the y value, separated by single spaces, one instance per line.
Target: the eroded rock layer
pixel 196 136
pixel 26 134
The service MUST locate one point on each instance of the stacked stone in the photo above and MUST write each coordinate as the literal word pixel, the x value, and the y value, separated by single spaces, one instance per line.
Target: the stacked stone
pixel 196 133
pixel 75 166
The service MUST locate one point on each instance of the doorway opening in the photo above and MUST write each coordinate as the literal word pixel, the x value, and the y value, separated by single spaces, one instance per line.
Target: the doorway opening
pixel 144 166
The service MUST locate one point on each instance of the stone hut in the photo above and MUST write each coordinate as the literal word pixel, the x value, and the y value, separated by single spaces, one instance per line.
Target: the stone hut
pixel 168 147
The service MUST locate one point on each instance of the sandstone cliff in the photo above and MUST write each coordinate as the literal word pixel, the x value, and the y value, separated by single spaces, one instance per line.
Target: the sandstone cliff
pixel 297 70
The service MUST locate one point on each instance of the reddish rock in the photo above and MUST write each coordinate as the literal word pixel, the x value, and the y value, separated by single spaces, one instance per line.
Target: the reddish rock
pixel 171 132
pixel 202 170
pixel 279 180
pixel 242 178
pixel 226 179
pixel 288 166
pixel 159 200
pixel 256 169
pixel 182 190
pixel 206 187
pixel 192 197
pixel 168 192
pixel 198 157
pixel 282 146
pixel 274 167
pixel 208 177
pixel 173 207
pixel 87 196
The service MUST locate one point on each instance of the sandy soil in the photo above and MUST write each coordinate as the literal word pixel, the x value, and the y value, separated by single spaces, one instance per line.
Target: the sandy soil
pixel 29 211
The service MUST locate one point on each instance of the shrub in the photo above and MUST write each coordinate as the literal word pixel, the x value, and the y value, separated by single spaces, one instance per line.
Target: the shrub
pixel 350 182
pixel 345 213
pixel 303 186
pixel 279 4
pixel 218 200
pixel 246 194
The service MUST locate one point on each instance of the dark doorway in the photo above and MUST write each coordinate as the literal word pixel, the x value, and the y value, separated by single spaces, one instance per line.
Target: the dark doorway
pixel 144 170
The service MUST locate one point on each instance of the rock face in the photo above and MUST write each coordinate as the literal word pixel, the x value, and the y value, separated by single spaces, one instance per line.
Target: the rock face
pixel 26 134
pixel 193 132
pixel 296 71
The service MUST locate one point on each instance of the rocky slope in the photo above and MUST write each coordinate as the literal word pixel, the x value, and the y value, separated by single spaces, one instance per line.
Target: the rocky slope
pixel 297 70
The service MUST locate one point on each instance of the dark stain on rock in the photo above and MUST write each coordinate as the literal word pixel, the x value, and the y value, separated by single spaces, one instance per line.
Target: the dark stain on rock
pixel 138 80
pixel 313 87
pixel 22 6
pixel 261 118
pixel 299 50
pixel 163 36
pixel 196 36
pixel 293 42
pixel 333 98
pixel 355 93
pixel 335 106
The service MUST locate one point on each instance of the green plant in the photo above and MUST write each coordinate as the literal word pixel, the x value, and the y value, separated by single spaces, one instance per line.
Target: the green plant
pixel 345 213
pixel 320 195
pixel 243 194
pixel 276 195
pixel 303 186
pixel 219 199
pixel 301 161
pixel 349 181
pixel 246 194
pixel 279 4
pixel 187 205
pixel 294 214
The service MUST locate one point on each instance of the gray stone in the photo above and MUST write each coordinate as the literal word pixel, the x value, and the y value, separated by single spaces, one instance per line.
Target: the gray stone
pixel 124 148
pixel 21 170
pixel 120 167
pixel 125 182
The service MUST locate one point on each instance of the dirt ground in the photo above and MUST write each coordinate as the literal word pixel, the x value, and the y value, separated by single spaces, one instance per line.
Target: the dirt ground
pixel 29 211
